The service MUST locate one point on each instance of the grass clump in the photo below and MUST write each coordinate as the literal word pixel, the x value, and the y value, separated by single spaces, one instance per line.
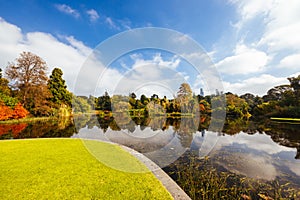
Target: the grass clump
pixel 65 169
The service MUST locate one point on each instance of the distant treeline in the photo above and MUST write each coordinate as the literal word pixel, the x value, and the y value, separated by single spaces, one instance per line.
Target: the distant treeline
pixel 26 89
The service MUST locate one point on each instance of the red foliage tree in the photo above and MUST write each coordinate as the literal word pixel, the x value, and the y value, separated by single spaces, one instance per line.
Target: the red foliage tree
pixel 5 112
pixel 19 112
pixel 8 113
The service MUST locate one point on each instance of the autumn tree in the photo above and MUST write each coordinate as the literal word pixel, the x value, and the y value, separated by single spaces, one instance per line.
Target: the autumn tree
pixel 28 77
pixel 185 98
pixel 236 106
pixel 58 88
pixel 185 91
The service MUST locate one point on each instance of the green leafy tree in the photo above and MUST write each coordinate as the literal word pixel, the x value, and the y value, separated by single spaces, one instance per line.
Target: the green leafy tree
pixel 80 105
pixel 4 88
pixel 58 88
pixel 295 84
pixel 236 107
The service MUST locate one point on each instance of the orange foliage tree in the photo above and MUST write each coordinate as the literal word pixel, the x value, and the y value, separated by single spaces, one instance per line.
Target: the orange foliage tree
pixel 7 112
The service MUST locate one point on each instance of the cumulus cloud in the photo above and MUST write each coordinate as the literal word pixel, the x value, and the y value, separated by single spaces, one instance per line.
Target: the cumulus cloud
pixel 290 61
pixel 256 85
pixel 93 14
pixel 67 10
pixel 276 27
pixel 148 76
pixel 69 57
pixel 280 21
pixel 244 61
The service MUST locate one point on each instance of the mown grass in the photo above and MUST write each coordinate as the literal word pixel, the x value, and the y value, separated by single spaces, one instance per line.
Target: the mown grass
pixel 65 169
pixel 27 119
pixel 285 119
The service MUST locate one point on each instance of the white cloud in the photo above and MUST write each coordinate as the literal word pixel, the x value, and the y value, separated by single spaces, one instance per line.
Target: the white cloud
pixel 244 61
pixel 111 23
pixel 250 9
pixel 67 10
pixel 282 38
pixel 78 45
pixel 256 85
pixel 291 61
pixel 146 76
pixel 56 54
pixel 280 21
pixel 93 14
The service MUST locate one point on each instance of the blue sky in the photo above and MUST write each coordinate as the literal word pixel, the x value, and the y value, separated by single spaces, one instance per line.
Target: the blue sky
pixel 254 44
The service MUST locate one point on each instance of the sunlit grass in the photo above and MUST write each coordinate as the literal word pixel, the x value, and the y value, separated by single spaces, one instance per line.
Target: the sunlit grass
pixel 64 169
pixel 27 119
pixel 286 119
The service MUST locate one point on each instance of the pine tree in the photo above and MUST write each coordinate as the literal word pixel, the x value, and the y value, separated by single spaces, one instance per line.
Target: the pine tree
pixel 58 88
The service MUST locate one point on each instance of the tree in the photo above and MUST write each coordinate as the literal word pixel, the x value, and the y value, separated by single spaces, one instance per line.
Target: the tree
pixel 80 105
pixel 295 84
pixel 236 107
pixel 4 88
pixel 185 91
pixel 29 71
pixel 58 88
pixel 28 76
pixel 184 96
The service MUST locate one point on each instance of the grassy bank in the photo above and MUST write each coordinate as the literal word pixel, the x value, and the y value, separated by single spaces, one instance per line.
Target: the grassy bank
pixel 286 119
pixel 27 119
pixel 64 169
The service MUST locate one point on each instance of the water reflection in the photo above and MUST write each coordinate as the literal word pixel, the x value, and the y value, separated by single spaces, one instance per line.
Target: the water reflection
pixel 263 150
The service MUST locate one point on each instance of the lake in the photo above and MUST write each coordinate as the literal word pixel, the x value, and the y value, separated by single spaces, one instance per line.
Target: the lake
pixel 256 159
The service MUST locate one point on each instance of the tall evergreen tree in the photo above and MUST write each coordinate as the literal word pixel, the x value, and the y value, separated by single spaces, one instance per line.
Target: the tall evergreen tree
pixel 58 88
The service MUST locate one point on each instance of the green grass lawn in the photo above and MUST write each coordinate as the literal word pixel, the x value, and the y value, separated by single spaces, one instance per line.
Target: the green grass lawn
pixel 286 119
pixel 65 169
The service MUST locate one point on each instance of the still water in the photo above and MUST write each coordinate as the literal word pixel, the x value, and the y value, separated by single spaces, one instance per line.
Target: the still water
pixel 246 160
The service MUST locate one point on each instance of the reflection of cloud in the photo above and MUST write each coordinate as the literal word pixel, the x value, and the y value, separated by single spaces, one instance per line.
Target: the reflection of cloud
pixel 250 165
pixel 259 142
pixel 142 141
pixel 294 167
pixel 238 157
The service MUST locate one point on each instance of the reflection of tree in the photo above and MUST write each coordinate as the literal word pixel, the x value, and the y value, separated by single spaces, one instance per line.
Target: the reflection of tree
pixel 11 130
pixel 234 126
pixel 284 134
pixel 93 122
pixel 105 122
pixel 157 123
pixel 298 153
pixel 45 129
pixel 114 126
pixel 81 121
